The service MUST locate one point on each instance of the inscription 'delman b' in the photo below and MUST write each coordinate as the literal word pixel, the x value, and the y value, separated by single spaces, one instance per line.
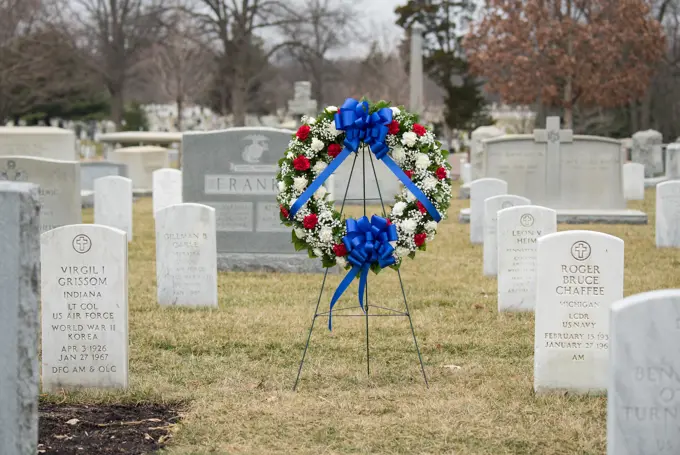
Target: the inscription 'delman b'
pixel 241 184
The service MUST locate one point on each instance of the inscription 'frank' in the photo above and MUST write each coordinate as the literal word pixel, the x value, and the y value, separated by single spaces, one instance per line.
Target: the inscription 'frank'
pixel 241 184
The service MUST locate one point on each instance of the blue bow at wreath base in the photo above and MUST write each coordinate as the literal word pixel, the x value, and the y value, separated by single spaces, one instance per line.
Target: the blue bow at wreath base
pixel 371 129
pixel 367 243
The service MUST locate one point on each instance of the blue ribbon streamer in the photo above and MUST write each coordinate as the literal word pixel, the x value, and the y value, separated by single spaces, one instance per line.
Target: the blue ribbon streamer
pixel 371 129
pixel 367 242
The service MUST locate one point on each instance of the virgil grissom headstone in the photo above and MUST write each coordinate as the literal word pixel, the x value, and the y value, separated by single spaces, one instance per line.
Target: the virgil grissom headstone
pixel 84 307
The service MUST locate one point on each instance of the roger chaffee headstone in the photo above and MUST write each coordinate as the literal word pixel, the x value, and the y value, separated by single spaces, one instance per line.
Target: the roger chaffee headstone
pixel 167 188
pixel 84 307
pixel 579 275
pixel 113 203
pixel 59 182
pixel 643 405
pixel 480 190
pixel 491 207
pixel 668 214
pixel 518 231
pixel 234 171
pixel 19 325
pixel 186 256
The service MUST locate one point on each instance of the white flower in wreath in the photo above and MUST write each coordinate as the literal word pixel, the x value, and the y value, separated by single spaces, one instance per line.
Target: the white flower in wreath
pixel 430 183
pixel 319 167
pixel 395 111
pixel 399 155
pixel 341 261
pixel 318 252
pixel 431 226
pixel 422 161
pixel 290 155
pixel 399 208
pixel 282 186
pixel 332 130
pixel 401 251
pixel 409 139
pixel 332 109
pixel 320 193
pixel 409 226
pixel 300 233
pixel 409 196
pixel 317 145
pixel 326 235
pixel 300 183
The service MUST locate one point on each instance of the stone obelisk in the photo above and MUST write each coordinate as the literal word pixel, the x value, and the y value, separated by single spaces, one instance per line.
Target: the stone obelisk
pixel 416 102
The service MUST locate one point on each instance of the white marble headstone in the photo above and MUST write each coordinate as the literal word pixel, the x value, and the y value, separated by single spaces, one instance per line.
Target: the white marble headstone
pixel 634 181
pixel 141 162
pixel 647 151
pixel 643 403
pixel 19 320
pixel 518 231
pixel 668 214
pixel 466 172
pixel 579 275
pixel 39 142
pixel 491 207
pixel 84 307
pixel 673 161
pixel 167 188
pixel 480 190
pixel 113 203
pixel 186 255
pixel 59 181
pixel 477 165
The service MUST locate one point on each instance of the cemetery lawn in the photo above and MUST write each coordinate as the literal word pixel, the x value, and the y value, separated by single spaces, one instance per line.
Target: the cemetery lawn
pixel 231 370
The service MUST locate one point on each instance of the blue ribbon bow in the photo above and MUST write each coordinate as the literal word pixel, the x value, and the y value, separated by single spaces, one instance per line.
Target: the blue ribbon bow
pixel 367 243
pixel 371 129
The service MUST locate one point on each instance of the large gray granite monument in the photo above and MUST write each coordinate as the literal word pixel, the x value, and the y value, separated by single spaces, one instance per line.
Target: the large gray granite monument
pixel 20 309
pixel 234 171
pixel 579 176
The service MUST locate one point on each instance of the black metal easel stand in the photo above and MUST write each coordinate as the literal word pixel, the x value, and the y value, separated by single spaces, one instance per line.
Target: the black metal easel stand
pixel 338 311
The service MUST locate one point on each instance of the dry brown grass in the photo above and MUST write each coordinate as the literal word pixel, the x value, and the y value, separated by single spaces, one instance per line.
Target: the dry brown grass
pixel 234 367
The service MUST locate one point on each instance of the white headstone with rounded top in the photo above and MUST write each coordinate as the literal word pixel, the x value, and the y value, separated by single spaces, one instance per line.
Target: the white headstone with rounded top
pixel 579 275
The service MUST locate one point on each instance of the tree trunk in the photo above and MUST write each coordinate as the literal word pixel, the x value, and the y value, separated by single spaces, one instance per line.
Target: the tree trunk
pixel 634 120
pixel 646 111
pixel 180 107
pixel 238 101
pixel 117 106
pixel 568 118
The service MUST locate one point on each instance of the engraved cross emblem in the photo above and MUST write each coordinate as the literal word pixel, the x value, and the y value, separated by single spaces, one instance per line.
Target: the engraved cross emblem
pixel 580 250
pixel 11 172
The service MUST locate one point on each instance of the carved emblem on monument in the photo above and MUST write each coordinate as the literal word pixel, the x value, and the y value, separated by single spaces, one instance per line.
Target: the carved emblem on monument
pixel 580 250
pixel 253 151
pixel 12 173
pixel 81 243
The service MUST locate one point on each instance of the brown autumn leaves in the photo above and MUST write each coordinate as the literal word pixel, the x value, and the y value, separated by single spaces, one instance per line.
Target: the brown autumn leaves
pixel 566 52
